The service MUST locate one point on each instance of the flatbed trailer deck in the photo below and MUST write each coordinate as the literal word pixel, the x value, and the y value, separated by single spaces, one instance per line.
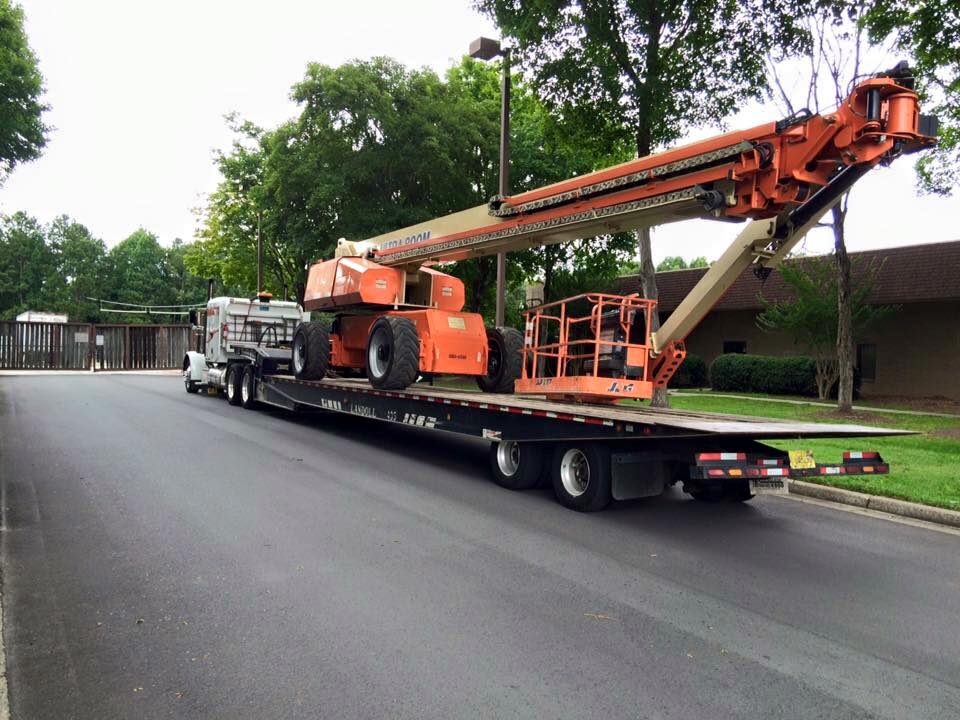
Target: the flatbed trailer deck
pixel 591 454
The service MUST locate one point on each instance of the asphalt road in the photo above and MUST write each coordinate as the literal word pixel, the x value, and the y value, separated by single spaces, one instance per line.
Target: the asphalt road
pixel 170 556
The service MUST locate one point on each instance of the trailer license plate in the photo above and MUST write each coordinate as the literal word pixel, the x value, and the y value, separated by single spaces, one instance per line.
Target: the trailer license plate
pixel 769 486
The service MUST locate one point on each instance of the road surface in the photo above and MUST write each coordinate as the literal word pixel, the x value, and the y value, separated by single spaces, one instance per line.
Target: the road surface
pixel 170 556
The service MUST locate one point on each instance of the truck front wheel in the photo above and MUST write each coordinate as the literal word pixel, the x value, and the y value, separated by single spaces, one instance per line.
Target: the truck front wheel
pixel 190 386
pixel 581 476
pixel 311 351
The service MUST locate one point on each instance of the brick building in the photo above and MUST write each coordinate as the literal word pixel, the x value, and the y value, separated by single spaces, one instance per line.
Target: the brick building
pixel 914 351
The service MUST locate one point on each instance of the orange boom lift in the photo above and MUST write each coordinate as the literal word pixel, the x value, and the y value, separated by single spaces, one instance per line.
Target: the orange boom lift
pixel 398 316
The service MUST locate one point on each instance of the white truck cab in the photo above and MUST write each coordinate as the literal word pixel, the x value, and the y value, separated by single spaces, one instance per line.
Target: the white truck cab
pixel 233 329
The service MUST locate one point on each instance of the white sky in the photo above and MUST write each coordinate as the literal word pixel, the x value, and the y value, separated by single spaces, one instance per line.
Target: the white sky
pixel 139 89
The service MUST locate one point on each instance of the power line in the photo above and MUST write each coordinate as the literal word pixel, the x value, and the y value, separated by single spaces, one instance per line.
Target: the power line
pixel 141 306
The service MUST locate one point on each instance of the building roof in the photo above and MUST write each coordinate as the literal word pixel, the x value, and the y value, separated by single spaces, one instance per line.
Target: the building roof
pixel 908 274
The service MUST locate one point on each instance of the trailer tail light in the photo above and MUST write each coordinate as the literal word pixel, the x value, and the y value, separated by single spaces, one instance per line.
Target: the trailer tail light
pixel 847 456
pixel 721 456
pixel 746 465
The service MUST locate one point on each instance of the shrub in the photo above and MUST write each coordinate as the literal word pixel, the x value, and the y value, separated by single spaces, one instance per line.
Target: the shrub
pixel 764 374
pixel 692 373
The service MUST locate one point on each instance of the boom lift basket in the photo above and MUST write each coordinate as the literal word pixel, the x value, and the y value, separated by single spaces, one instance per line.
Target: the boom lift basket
pixel 589 347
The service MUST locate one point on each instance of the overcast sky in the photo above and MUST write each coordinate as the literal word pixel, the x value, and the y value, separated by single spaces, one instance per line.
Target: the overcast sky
pixel 139 89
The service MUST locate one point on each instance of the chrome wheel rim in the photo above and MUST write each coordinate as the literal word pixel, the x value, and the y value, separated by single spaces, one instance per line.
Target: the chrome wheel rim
pixel 575 472
pixel 299 354
pixel 508 457
pixel 231 391
pixel 378 353
pixel 245 388
pixel 186 377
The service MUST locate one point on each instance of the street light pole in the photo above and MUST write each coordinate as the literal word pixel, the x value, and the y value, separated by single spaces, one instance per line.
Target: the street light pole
pixel 504 182
pixel 486 49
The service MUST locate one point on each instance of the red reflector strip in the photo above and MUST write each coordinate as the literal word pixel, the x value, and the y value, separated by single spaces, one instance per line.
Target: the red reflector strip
pixel 861 455
pixel 774 472
pixel 770 461
pixel 714 457
pixel 832 470
pixel 715 472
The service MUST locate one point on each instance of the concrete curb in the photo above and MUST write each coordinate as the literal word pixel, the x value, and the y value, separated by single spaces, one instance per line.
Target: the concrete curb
pixel 941 516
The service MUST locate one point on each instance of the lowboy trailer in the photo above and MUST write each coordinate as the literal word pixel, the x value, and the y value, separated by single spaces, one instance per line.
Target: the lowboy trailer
pixel 590 454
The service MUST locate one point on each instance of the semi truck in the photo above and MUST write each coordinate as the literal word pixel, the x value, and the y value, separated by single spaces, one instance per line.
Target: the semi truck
pixel 551 399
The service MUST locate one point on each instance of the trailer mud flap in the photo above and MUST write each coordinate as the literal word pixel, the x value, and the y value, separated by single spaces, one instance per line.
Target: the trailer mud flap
pixel 636 475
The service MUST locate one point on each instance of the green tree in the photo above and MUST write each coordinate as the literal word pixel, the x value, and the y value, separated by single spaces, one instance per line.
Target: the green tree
pixel 377 147
pixel 23 133
pixel 26 266
pixel 811 317
pixel 646 71
pixel 80 269
pixel 929 31
pixel 139 274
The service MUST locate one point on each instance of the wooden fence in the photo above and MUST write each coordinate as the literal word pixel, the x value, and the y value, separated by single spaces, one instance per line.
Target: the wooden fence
pixel 81 346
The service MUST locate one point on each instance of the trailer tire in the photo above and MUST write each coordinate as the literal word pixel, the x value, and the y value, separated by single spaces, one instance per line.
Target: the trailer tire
pixel 581 476
pixel 707 493
pixel 310 354
pixel 393 353
pixel 516 465
pixel 738 491
pixel 248 388
pixel 504 360
pixel 233 380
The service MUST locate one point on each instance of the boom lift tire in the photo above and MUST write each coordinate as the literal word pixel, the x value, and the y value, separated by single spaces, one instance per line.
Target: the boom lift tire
pixel 504 360
pixel 581 475
pixel 233 380
pixel 516 465
pixel 311 351
pixel 393 353
pixel 248 388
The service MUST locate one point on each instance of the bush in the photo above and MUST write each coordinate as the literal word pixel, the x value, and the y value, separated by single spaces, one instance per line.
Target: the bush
pixel 774 375
pixel 692 373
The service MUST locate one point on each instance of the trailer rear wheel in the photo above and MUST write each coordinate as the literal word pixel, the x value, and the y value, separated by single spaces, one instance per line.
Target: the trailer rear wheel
pixel 738 491
pixel 516 465
pixel 393 353
pixel 248 388
pixel 504 360
pixel 311 351
pixel 233 380
pixel 581 476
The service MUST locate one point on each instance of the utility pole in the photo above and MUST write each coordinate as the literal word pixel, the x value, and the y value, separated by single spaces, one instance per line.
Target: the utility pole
pixel 504 182
pixel 259 255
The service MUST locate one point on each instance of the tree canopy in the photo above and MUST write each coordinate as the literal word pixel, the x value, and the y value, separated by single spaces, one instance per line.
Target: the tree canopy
pixel 377 146
pixel 929 32
pixel 23 133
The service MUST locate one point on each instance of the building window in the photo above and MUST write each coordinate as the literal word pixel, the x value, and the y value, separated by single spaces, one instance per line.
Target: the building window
pixel 734 347
pixel 867 361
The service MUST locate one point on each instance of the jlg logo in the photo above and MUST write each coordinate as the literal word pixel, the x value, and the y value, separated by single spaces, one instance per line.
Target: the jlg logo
pixel 615 387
